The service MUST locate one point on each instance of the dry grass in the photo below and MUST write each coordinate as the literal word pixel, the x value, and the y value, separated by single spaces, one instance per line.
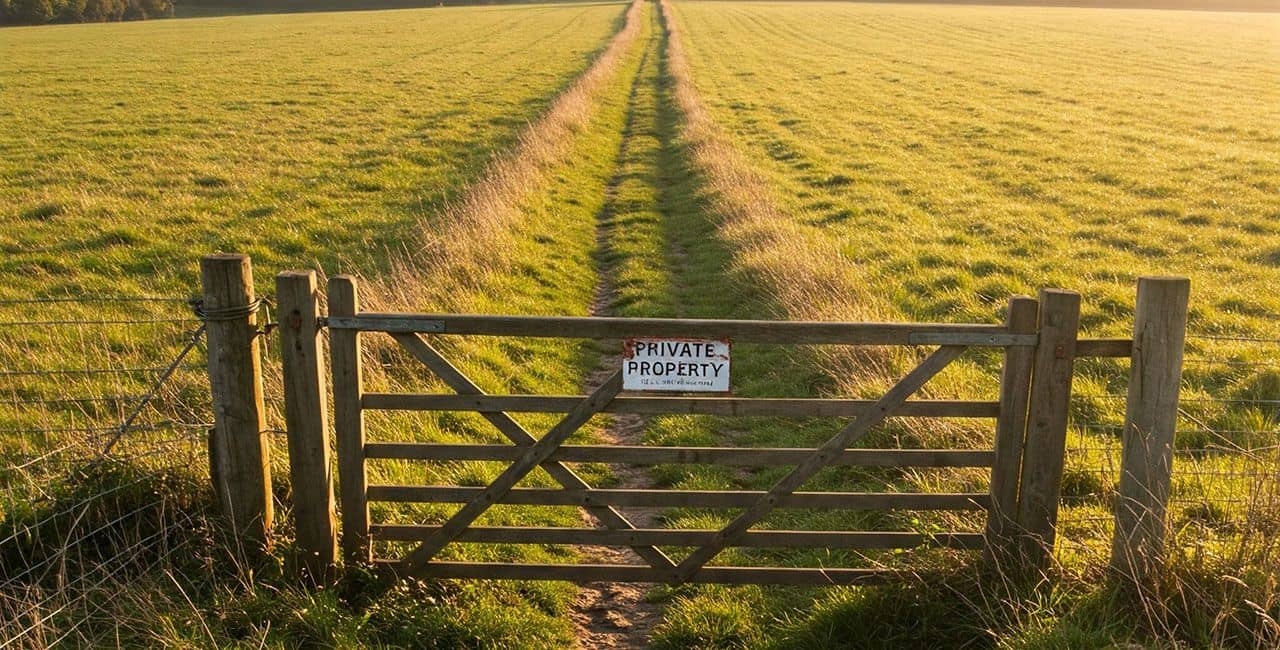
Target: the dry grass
pixel 470 243
pixel 802 271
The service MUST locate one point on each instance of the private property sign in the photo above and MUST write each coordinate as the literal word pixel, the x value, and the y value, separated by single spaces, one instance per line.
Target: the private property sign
pixel 676 365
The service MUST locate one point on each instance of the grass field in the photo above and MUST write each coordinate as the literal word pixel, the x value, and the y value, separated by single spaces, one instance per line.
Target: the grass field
pixel 319 137
pixel 794 160
pixel 238 133
pixel 962 154
pixel 325 140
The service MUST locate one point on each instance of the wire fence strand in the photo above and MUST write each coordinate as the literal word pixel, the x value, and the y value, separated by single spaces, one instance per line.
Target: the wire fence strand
pixel 79 395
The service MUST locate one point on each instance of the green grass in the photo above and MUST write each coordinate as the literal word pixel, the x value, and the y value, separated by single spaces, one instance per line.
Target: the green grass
pixel 930 161
pixel 962 154
pixel 913 163
pixel 327 141
pixel 322 139
pixel 415 141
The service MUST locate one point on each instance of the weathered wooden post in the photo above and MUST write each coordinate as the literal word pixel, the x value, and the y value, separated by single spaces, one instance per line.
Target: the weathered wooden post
pixel 1151 416
pixel 306 418
pixel 239 449
pixel 1046 439
pixel 348 386
pixel 1011 427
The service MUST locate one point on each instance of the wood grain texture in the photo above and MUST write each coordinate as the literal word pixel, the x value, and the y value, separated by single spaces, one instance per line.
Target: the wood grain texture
pixel 1151 417
pixel 241 451
pixel 306 412
pixel 643 455
pixel 744 331
pixel 673 537
pixel 1011 430
pixel 1046 438
pixel 348 422
pixel 581 573
pixel 726 406
pixel 687 498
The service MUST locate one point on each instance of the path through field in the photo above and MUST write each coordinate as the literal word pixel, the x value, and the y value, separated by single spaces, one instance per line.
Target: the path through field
pixel 616 615
pixel 652 251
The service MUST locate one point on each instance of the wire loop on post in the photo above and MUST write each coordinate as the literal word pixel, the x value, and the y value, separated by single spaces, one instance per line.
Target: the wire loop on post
pixel 260 306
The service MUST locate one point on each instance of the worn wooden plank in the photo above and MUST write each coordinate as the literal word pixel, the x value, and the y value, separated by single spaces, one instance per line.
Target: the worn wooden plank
pixel 533 457
pixel 673 537
pixel 640 455
pixel 306 414
pixel 687 498
pixel 1045 446
pixel 583 573
pixel 727 406
pixel 742 331
pixel 241 450
pixel 348 422
pixel 454 378
pixel 1011 429
pixel 1151 416
pixel 1104 348
pixel 892 398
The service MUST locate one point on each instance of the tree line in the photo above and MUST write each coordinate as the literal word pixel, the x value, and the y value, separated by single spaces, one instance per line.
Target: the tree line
pixel 40 12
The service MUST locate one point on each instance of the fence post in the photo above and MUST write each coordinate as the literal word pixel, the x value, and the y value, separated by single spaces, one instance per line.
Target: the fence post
pixel 1151 416
pixel 306 418
pixel 1011 429
pixel 239 451
pixel 348 386
pixel 1047 425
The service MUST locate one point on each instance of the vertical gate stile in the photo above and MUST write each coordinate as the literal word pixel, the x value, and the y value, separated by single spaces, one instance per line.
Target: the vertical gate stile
pixel 348 416
pixel 1043 455
pixel 307 421
pixel 1011 428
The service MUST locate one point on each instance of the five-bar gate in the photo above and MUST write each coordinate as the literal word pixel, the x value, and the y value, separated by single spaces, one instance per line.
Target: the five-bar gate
pixel 1038 339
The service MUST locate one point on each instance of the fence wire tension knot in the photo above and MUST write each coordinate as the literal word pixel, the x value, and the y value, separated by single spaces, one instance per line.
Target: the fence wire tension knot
pixel 261 306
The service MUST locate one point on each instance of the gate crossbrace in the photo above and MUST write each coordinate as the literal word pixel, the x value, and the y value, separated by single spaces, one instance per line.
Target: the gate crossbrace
pixel 889 402
pixel 562 474
pixel 502 485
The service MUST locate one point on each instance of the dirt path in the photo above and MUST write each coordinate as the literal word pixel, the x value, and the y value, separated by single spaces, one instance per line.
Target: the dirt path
pixel 612 614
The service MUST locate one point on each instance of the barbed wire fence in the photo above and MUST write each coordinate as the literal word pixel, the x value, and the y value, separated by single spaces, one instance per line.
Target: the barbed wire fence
pixel 104 422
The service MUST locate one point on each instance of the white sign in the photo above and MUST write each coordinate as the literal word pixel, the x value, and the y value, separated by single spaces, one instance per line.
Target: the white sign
pixel 676 365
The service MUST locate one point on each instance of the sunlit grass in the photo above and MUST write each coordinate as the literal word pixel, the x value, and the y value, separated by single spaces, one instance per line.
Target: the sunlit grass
pixel 928 162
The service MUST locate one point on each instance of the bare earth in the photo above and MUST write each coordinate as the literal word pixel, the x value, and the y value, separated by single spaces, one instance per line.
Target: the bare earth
pixel 615 614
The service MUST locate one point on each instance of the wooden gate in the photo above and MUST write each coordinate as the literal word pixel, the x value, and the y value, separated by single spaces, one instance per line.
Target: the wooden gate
pixel 1029 415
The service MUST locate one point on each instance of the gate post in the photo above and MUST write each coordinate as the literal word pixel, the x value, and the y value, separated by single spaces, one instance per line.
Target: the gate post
pixel 1046 441
pixel 307 421
pixel 239 448
pixel 1011 427
pixel 348 387
pixel 1151 416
